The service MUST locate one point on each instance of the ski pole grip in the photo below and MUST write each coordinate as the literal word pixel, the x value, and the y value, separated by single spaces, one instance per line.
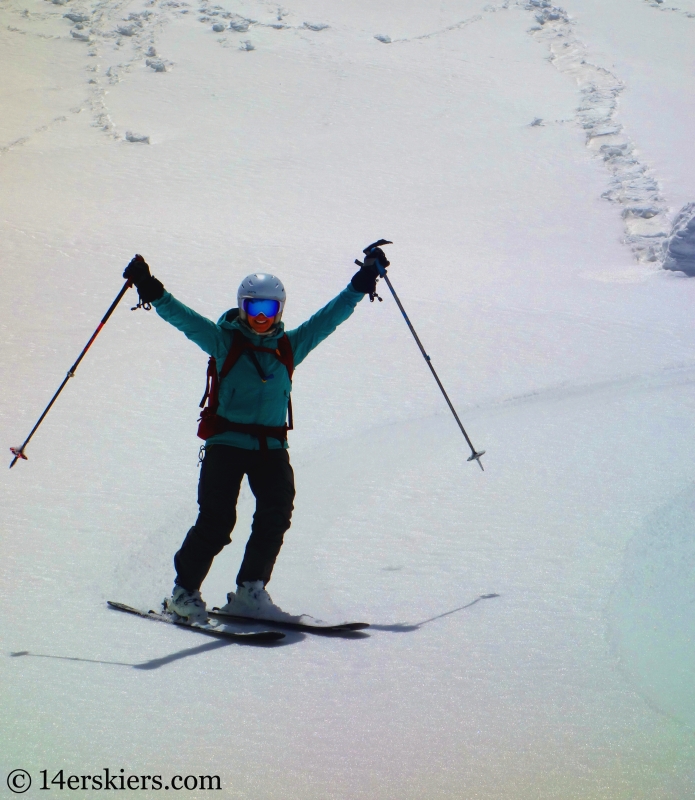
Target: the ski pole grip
pixel 381 269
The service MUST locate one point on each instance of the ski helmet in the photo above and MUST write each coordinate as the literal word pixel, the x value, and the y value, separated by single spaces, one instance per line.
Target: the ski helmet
pixel 261 286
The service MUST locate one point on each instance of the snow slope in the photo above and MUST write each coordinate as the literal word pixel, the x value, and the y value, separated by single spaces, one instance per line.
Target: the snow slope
pixel 279 144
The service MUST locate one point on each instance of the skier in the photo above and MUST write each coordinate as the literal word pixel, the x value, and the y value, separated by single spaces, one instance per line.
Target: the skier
pixel 244 426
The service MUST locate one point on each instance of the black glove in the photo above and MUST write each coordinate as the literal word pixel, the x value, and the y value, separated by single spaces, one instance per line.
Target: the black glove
pixel 138 273
pixel 365 280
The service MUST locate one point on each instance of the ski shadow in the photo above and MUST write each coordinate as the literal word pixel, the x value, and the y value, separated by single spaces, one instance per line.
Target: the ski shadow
pixel 158 663
pixel 404 627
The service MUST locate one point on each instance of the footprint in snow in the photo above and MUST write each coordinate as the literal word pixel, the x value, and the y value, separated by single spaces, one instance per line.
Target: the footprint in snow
pixel 127 30
pixel 382 37
pixel 156 64
pixel 76 17
pixel 137 138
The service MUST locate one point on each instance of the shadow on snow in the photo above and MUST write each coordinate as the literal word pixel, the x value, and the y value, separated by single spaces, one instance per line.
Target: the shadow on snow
pixel 404 627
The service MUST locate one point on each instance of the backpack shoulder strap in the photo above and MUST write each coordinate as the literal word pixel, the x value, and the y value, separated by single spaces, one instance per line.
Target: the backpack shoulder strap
pixel 234 353
pixel 212 385
pixel 286 357
pixel 285 354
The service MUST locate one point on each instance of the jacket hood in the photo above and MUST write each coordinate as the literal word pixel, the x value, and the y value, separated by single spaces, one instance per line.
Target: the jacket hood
pixel 231 321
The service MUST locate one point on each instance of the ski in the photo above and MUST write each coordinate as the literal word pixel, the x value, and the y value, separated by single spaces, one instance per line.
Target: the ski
pixel 303 623
pixel 208 630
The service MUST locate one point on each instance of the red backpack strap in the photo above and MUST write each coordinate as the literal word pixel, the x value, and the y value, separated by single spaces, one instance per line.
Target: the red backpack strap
pixel 285 354
pixel 212 383
pixel 234 353
pixel 286 357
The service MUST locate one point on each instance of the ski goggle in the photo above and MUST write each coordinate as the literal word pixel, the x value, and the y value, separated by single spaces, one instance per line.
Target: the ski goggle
pixel 255 307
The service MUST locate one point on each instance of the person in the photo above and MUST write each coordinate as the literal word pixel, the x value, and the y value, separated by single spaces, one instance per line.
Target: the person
pixel 245 425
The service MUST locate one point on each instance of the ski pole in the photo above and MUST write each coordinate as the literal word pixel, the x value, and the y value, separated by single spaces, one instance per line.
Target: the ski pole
pixel 18 452
pixel 475 455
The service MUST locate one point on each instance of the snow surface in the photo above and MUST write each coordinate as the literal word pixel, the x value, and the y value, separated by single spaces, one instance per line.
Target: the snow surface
pixel 286 142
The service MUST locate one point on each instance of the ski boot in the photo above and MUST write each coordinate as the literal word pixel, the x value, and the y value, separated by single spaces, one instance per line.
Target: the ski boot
pixel 252 600
pixel 188 605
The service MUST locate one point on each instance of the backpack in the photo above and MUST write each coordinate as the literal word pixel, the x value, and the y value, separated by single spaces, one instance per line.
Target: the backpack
pixel 211 423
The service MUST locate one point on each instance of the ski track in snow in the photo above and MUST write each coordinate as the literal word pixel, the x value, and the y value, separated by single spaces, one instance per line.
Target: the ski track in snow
pixel 455 27
pixel 122 34
pixel 659 6
pixel 40 129
pixel 633 186
pixel 105 30
pixel 648 229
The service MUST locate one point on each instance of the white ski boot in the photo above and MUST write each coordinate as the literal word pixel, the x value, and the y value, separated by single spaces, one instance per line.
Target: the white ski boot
pixel 189 605
pixel 252 600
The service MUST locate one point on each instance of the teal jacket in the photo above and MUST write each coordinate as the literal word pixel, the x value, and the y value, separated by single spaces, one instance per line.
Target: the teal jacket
pixel 243 396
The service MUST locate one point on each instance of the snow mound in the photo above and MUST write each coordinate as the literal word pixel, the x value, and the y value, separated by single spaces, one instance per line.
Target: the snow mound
pixel 680 246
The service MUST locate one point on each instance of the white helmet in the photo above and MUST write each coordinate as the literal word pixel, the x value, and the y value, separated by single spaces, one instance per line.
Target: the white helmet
pixel 261 286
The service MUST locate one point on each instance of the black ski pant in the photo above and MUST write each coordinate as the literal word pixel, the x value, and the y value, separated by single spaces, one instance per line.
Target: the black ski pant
pixel 272 482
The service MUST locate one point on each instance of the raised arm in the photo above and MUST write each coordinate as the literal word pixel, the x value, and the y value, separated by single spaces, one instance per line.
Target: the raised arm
pixel 305 338
pixel 199 329
pixel 312 332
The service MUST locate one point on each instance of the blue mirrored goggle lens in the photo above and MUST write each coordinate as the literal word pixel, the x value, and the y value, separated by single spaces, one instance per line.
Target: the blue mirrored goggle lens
pixel 255 307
